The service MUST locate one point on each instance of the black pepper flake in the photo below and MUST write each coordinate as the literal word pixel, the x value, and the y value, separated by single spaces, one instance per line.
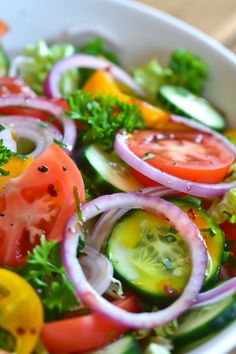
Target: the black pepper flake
pixel 2 215
pixel 64 168
pixel 43 169
pixel 20 331
pixel 52 190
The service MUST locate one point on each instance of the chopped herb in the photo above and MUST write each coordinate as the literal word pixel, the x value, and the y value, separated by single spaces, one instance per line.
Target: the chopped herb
pixel 167 263
pixel 148 156
pixel 60 143
pixel 226 256
pixel 170 238
pixel 42 125
pixel 2 127
pixel 229 244
pixel 172 230
pixel 227 213
pixel 45 272
pixel 104 116
pixel 210 231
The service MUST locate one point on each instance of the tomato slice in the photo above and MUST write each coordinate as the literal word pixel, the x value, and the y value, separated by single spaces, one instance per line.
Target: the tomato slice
pixel 40 201
pixel 194 156
pixel 89 332
pixel 21 311
pixel 14 86
pixel 230 236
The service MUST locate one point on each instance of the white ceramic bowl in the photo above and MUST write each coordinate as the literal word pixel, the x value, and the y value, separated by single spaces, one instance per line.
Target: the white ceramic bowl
pixel 139 32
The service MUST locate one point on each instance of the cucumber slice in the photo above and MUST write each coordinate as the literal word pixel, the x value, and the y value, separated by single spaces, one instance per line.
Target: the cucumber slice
pixel 107 171
pixel 212 234
pixel 149 255
pixel 182 101
pixel 4 62
pixel 126 345
pixel 202 321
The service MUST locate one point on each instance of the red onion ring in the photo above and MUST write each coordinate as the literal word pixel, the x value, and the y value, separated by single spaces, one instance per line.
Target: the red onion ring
pixel 220 292
pixel 164 178
pixel 105 224
pixel 51 87
pixel 177 218
pixel 98 269
pixel 31 129
pixel 69 127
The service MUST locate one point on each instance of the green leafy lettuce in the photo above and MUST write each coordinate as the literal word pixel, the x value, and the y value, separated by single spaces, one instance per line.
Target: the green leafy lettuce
pixel 184 69
pixel 39 59
pixel 225 208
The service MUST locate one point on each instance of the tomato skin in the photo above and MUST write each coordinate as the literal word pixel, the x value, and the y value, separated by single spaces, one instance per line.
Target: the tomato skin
pixel 230 235
pixel 39 201
pixel 30 112
pixel 194 156
pixel 14 86
pixel 146 182
pixel 85 333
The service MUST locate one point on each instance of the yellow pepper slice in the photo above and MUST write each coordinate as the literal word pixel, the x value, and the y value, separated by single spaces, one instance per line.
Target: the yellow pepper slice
pixel 16 166
pixel 102 83
pixel 21 311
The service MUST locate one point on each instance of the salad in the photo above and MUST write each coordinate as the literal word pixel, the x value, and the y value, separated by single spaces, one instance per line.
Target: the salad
pixel 117 203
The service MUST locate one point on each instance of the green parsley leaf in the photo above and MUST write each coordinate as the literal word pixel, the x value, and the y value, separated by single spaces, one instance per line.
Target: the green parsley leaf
pixel 2 127
pixel 5 155
pixel 104 116
pixel 45 272
pixel 210 231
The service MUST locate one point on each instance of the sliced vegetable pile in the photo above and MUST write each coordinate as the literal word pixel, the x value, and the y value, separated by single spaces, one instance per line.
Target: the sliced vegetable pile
pixel 81 138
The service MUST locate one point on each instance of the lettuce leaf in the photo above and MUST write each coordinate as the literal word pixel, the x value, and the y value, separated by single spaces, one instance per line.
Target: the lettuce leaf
pixel 39 59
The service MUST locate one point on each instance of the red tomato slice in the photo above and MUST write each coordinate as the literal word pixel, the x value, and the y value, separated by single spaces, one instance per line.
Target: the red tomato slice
pixel 194 156
pixel 40 201
pixel 230 235
pixel 14 86
pixel 83 333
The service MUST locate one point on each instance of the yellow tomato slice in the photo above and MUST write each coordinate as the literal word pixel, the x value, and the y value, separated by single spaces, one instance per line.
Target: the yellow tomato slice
pixel 21 311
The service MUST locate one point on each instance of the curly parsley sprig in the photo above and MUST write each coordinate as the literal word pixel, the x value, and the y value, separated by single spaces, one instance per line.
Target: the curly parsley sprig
pixel 103 116
pixel 45 272
pixel 5 155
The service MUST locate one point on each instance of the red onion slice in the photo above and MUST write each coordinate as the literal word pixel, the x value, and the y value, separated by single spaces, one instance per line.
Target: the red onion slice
pixel 33 130
pixel 105 224
pixel 166 179
pixel 98 269
pixel 155 205
pixel 7 138
pixel 69 127
pixel 51 88
pixel 216 294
